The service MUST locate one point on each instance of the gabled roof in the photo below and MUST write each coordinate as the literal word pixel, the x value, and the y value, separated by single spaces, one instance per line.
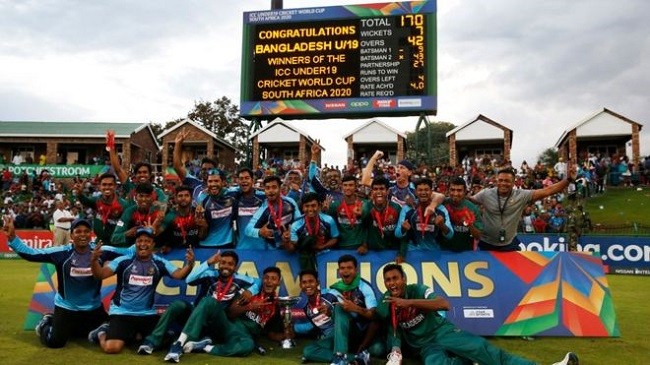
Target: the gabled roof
pixel 72 129
pixel 374 120
pixel 472 121
pixel 200 127
pixel 590 118
pixel 287 124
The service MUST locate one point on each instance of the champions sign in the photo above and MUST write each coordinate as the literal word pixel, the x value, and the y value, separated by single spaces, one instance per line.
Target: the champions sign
pixel 504 294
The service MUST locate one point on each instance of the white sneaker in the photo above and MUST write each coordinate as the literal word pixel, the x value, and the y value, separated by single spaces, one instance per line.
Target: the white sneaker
pixel 569 359
pixel 394 358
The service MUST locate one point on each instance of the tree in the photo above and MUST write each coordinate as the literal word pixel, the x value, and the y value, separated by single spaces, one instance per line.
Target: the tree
pixel 548 157
pixel 439 152
pixel 222 118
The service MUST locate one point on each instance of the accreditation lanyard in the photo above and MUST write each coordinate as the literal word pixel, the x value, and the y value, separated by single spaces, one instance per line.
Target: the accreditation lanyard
pixel 277 218
pixel 350 211
pixel 222 293
pixel 502 208
pixel 424 220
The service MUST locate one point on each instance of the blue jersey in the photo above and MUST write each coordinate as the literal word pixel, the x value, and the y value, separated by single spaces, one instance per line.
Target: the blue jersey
pixel 423 235
pixel 246 208
pixel 402 195
pixel 223 289
pixel 77 289
pixel 289 213
pixel 321 321
pixel 219 213
pixel 327 229
pixel 197 187
pixel 136 284
pixel 363 296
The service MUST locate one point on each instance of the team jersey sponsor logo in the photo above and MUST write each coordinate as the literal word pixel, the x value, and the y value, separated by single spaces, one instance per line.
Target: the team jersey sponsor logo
pixel 321 320
pixel 80 271
pixel 412 322
pixel 140 280
pixel 247 211
pixel 221 213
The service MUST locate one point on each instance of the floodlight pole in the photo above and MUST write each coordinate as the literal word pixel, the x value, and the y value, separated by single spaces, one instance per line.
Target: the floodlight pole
pixel 423 122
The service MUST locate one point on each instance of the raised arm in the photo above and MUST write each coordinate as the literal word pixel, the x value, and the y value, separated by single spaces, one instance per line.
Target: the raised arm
pixel 557 187
pixel 115 161
pixel 183 272
pixel 366 176
pixel 178 154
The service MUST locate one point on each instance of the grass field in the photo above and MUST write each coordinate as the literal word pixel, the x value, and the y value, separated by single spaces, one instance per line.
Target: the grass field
pixel 620 205
pixel 631 295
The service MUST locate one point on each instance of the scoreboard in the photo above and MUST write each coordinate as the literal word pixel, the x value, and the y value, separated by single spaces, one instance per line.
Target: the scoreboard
pixel 351 61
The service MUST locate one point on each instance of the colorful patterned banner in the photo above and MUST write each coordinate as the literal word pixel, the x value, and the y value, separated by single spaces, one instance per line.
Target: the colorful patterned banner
pixel 504 294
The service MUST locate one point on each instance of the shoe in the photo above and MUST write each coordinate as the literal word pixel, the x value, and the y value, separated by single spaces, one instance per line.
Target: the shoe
pixel 46 320
pixel 569 359
pixel 175 352
pixel 394 358
pixel 362 358
pixel 146 348
pixel 339 359
pixel 93 336
pixel 196 346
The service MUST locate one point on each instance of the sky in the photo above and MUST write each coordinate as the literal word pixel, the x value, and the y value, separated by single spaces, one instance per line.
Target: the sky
pixel 537 67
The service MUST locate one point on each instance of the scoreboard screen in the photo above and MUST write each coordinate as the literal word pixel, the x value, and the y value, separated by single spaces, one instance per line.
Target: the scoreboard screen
pixel 351 61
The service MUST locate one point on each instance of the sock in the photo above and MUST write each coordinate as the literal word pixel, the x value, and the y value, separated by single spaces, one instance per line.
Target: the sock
pixel 208 348
pixel 182 338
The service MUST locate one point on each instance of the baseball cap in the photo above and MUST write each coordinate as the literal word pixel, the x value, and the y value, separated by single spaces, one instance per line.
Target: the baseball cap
pixel 407 164
pixel 80 222
pixel 144 230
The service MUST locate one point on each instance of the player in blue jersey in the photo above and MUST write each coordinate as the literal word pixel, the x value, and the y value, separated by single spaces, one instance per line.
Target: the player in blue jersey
pixel 132 310
pixel 219 211
pixel 77 303
pixel 353 316
pixel 318 309
pixel 249 200
pixel 211 311
pixel 313 232
pixel 424 231
pixel 196 183
pixel 273 219
pixel 402 191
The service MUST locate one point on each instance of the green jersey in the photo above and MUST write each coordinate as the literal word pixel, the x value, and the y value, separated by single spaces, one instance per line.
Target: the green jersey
pixel 461 216
pixel 381 225
pixel 416 326
pixel 349 218
pixel 107 214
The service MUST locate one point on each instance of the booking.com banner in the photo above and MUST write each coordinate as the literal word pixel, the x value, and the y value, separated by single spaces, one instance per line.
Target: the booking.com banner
pixel 620 254
pixel 503 294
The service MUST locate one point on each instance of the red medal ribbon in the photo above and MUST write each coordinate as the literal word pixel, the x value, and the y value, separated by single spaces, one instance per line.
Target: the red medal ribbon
pixel 277 218
pixel 350 211
pixel 221 293
pixel 380 220
pixel 424 220
pixel 316 303
pixel 183 223
pixel 312 230
pixel 393 317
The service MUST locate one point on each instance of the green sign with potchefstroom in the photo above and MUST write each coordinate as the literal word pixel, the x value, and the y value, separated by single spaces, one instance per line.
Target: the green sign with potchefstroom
pixel 61 171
